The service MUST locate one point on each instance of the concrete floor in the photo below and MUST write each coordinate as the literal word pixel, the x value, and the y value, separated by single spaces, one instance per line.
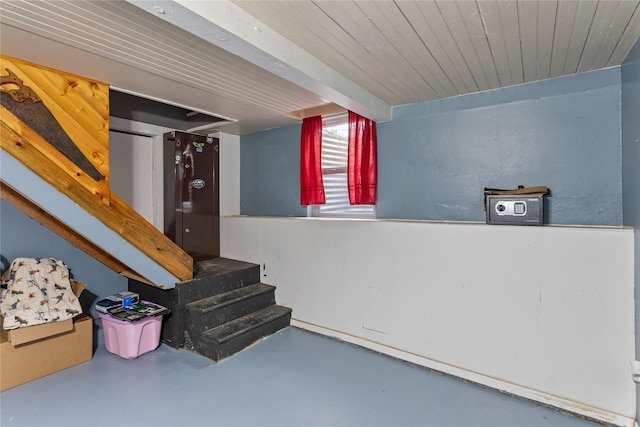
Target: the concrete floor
pixel 294 378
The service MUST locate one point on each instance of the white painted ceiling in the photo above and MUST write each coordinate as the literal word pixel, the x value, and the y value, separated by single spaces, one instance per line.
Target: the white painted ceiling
pixel 264 64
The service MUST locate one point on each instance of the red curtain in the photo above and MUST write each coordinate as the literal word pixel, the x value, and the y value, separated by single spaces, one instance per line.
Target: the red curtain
pixel 361 166
pixel 311 185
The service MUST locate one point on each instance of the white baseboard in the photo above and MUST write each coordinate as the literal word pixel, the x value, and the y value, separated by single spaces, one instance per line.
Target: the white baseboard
pixel 558 402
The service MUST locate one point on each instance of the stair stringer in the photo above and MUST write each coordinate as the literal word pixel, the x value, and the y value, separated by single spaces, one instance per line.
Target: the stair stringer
pixel 69 213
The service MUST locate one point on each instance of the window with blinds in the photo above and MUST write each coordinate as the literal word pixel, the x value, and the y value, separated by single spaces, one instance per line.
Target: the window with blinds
pixel 335 132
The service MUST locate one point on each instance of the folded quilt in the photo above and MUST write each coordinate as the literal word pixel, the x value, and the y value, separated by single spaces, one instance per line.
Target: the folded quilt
pixel 37 291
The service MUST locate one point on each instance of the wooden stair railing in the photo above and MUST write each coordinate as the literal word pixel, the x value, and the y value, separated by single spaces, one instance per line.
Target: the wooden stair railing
pixel 75 160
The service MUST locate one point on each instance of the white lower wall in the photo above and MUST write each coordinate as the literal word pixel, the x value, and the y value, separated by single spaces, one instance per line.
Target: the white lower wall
pixel 543 312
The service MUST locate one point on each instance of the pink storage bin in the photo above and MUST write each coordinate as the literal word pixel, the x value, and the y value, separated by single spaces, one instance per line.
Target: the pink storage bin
pixel 130 340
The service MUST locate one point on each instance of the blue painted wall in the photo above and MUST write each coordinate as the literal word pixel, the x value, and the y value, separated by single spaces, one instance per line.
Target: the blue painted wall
pixel 435 158
pixel 21 236
pixel 270 173
pixel 630 74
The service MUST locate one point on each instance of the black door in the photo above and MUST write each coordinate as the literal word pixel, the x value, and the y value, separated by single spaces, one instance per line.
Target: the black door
pixel 192 207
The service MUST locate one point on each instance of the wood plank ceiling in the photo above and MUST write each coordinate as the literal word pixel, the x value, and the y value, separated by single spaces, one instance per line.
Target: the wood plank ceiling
pixel 260 62
pixel 412 51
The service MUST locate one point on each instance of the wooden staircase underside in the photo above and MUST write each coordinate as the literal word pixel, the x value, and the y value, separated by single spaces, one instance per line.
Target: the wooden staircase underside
pixel 75 162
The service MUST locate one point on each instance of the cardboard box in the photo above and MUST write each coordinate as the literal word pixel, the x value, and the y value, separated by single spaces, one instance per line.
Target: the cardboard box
pixel 38 332
pixel 36 351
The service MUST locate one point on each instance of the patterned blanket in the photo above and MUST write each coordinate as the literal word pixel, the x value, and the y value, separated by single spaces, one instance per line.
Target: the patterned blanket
pixel 36 291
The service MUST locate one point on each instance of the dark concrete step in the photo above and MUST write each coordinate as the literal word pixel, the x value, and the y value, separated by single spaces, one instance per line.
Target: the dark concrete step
pixel 211 277
pixel 227 339
pixel 211 312
pixel 214 276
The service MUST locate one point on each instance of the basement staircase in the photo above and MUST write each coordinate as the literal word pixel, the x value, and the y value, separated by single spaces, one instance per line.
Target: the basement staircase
pixel 221 311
